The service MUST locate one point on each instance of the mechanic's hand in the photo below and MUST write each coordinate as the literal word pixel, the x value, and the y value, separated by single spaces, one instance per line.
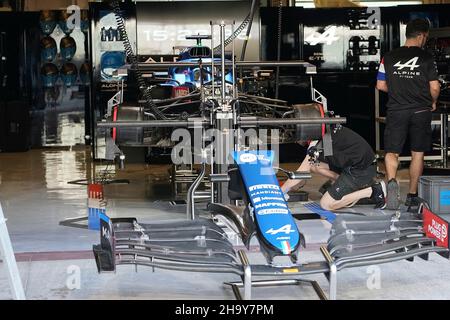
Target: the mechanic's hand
pixel 433 106
pixel 286 196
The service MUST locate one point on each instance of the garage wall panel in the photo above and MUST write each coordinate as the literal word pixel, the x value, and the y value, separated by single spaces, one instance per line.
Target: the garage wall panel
pixel 164 25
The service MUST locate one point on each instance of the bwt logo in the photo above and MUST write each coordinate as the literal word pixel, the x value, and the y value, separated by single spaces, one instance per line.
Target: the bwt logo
pixel 411 64
pixel 248 158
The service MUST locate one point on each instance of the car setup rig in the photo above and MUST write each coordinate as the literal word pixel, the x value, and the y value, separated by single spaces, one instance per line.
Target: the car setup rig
pixel 180 90
pixel 245 197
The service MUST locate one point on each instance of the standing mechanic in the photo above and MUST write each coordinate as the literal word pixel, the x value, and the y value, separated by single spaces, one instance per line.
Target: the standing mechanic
pixel 408 74
pixel 352 167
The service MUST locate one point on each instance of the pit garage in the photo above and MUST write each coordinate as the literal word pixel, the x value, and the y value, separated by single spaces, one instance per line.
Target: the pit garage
pixel 224 150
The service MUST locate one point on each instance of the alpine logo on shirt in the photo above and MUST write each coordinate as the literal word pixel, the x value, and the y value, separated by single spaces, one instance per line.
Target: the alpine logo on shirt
pixel 407 69
pixel 411 64
pixel 407 72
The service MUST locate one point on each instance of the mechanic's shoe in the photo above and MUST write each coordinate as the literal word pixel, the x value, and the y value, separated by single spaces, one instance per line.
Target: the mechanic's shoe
pixel 379 195
pixel 393 195
pixel 412 200
pixel 324 188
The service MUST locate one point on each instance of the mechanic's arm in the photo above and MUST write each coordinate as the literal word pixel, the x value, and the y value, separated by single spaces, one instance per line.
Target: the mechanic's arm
pixel 289 184
pixel 382 85
pixel 435 90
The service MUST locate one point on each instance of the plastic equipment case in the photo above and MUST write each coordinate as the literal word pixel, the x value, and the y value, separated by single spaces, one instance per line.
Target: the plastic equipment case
pixel 436 191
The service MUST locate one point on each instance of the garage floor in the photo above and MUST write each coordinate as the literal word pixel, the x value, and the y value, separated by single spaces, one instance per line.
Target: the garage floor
pixel 56 262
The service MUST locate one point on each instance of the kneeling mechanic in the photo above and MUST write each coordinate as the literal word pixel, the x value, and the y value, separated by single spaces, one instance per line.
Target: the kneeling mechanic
pixel 352 168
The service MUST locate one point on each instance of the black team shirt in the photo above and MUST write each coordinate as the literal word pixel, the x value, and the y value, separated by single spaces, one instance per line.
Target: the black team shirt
pixel 408 71
pixel 350 150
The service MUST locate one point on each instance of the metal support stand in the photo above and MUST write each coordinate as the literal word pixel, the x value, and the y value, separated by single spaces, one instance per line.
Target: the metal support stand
pixel 225 127
pixel 10 260
pixel 182 176
pixel 332 274
pixel 333 282
pixel 224 116
pixel 192 196
pixel 247 283
pixel 247 275
pixel 274 283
